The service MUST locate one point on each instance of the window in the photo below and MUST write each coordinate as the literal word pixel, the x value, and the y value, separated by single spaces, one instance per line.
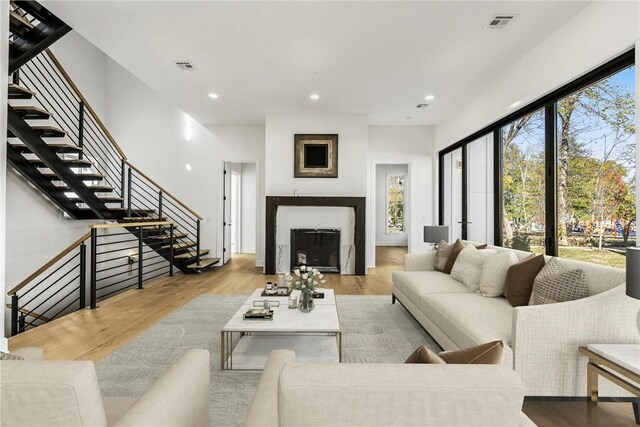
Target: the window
pixel 563 170
pixel 395 204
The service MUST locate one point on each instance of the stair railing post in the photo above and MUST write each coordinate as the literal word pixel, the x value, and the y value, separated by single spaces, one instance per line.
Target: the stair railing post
pixel 170 249
pixel 94 266
pixel 14 314
pixel 83 276
pixel 160 205
pixel 81 128
pixel 16 77
pixel 140 257
pixel 129 193
pixel 197 242
pixel 22 324
pixel 122 180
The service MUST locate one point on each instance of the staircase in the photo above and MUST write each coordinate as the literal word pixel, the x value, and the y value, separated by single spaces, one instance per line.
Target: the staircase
pixel 57 142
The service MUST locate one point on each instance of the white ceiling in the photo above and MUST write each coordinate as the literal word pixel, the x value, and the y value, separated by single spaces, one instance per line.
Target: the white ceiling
pixel 379 58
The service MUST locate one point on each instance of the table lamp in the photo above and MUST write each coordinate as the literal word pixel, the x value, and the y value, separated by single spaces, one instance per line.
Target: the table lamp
pixel 435 233
pixel 633 276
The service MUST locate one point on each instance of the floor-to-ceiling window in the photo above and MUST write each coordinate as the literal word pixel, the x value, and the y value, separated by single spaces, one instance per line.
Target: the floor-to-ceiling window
pixel 562 169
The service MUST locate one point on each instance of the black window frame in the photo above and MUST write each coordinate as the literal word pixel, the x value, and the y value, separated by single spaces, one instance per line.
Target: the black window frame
pixel 548 104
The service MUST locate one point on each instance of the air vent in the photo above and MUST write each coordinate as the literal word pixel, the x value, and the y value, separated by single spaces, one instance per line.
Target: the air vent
pixel 499 22
pixel 422 105
pixel 185 65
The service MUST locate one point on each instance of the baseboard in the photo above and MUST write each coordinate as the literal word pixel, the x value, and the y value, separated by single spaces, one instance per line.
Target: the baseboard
pixel 4 344
pixel 259 263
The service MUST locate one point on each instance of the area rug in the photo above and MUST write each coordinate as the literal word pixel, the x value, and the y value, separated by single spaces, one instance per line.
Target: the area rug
pixel 374 331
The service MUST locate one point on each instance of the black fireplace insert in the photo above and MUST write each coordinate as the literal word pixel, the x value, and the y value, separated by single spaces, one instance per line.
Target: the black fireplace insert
pixel 316 248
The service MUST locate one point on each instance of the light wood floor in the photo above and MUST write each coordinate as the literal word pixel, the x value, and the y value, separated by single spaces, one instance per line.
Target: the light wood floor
pixel 93 334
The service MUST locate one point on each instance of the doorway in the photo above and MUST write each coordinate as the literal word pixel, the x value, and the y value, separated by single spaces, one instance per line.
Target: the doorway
pixel 240 201
pixel 392 205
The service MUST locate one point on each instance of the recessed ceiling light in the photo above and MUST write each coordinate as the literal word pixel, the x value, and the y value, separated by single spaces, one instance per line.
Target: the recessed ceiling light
pixel 315 96
pixel 188 167
pixel 515 104
pixel 429 97
pixel 213 95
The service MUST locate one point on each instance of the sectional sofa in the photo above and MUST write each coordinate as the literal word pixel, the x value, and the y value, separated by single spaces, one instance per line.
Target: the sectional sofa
pixel 541 341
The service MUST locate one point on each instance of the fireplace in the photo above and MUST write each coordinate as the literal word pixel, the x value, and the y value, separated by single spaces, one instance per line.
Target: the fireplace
pixel 316 248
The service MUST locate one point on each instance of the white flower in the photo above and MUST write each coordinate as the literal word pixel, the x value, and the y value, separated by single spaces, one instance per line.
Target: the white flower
pixel 296 271
pixel 321 276
pixel 323 281
pixel 303 286
pixel 303 268
pixel 305 275
pixel 315 283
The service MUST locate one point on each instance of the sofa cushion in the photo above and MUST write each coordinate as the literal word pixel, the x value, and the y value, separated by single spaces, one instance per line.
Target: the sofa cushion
pixel 416 283
pixel 483 354
pixel 494 273
pixel 520 278
pixel 468 266
pixel 469 319
pixel 423 355
pixel 556 284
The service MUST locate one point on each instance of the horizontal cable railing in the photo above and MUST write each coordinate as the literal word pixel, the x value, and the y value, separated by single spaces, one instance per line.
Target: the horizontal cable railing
pixel 106 261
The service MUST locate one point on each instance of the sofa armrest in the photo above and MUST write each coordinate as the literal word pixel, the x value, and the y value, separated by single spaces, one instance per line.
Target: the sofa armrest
pixel 546 338
pixel 262 411
pixel 422 261
pixel 179 398
pixel 367 394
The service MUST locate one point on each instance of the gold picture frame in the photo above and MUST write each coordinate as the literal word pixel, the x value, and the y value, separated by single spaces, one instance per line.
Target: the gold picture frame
pixel 315 156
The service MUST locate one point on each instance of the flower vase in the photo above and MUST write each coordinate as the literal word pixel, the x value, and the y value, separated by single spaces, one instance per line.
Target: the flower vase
pixel 305 304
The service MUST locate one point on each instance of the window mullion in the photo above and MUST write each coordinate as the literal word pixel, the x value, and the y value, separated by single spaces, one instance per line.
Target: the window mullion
pixel 550 160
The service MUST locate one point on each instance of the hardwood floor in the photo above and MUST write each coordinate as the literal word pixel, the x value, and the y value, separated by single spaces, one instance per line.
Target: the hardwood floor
pixel 93 334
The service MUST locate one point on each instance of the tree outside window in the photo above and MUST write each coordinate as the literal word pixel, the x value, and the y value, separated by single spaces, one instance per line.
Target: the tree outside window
pixel 395 203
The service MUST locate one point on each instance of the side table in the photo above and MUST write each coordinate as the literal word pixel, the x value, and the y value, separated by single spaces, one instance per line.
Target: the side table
pixel 618 363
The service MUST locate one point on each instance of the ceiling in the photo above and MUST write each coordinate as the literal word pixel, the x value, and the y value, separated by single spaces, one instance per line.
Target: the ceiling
pixel 379 58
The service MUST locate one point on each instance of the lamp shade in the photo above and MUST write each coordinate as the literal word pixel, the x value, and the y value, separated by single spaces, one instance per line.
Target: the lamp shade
pixel 435 233
pixel 633 272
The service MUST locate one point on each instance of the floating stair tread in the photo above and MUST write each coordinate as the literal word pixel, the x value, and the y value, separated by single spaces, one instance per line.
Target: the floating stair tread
pixel 31 112
pixel 141 218
pixel 166 236
pixel 19 92
pixel 96 188
pixel 90 176
pixel 180 245
pixel 191 254
pixel 106 199
pixel 31 313
pixel 16 16
pixel 68 162
pixel 204 263
pixel 43 132
pixel 60 148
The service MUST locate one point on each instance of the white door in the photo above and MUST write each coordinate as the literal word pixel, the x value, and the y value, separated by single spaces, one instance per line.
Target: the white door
pixel 226 220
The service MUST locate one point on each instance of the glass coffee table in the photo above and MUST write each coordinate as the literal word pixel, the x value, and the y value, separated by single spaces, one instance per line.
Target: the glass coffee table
pixel 315 336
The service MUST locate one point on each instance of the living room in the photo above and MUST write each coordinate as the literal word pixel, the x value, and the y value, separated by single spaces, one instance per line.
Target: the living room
pixel 216 139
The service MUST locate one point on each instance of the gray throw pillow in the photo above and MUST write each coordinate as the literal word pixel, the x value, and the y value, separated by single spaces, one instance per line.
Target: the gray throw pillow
pixel 9 356
pixel 442 255
pixel 554 284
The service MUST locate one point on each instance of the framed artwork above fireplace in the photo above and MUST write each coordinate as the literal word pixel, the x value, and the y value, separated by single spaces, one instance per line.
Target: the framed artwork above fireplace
pixel 315 156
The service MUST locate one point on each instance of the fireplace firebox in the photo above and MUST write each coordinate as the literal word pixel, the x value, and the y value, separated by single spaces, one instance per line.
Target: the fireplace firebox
pixel 316 248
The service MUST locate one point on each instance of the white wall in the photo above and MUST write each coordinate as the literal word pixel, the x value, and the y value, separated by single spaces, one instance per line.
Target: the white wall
pixel 382 237
pixel 600 32
pixel 4 65
pixel 412 145
pixel 249 208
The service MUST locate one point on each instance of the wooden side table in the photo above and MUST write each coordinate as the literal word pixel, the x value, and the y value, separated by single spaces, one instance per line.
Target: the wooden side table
pixel 618 363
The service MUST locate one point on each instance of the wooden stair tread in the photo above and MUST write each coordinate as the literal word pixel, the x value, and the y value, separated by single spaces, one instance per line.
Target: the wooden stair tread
pixel 109 199
pixel 96 188
pixel 88 175
pixel 31 314
pixel 45 131
pixel 14 15
pixel 191 254
pixel 180 245
pixel 166 236
pixel 59 147
pixel 69 162
pixel 29 112
pixel 204 263
pixel 19 92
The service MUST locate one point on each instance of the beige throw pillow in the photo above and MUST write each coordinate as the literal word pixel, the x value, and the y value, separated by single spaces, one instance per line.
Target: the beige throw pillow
pixel 494 273
pixel 442 255
pixel 424 355
pixel 555 283
pixel 483 354
pixel 468 266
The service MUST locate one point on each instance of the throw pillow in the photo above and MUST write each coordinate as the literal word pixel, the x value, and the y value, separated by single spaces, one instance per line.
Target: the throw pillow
pixel 483 246
pixel 458 246
pixel 484 354
pixel 494 273
pixel 424 355
pixel 9 356
pixel 468 266
pixel 442 255
pixel 554 284
pixel 519 282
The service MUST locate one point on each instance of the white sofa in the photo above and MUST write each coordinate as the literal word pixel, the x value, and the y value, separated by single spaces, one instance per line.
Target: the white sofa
pixel 541 341
pixel 367 394
pixel 66 393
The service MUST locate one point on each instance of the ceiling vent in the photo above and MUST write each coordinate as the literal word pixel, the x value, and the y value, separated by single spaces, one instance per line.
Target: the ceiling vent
pixel 499 22
pixel 185 65
pixel 422 105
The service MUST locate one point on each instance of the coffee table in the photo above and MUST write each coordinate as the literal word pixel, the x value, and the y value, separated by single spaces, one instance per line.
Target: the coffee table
pixel 315 336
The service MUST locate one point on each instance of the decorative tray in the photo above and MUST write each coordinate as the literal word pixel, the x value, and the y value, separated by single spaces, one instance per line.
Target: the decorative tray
pixel 284 293
pixel 258 314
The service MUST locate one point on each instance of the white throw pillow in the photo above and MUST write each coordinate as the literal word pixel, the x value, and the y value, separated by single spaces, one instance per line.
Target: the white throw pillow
pixel 494 273
pixel 468 266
